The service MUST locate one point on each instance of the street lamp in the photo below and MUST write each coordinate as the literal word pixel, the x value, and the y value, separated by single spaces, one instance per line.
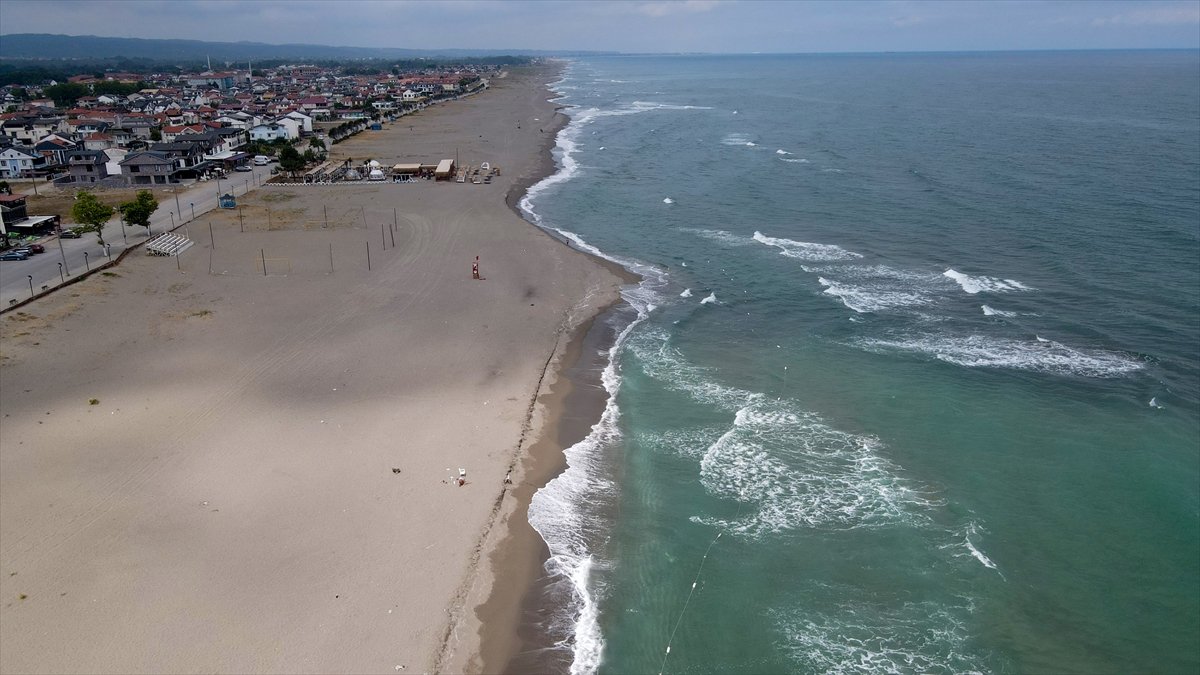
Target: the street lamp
pixel 60 274
pixel 193 205
pixel 172 220
pixel 123 239
pixel 85 262
pixel 30 284
pixel 61 251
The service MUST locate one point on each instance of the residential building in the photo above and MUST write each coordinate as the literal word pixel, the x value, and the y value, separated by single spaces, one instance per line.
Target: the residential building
pixel 148 168
pixel 16 162
pixel 87 166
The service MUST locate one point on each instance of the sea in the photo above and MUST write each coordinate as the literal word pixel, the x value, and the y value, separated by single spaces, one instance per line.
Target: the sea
pixel 911 382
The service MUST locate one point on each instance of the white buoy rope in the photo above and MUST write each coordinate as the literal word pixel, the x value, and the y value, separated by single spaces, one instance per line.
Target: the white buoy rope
pixel 692 592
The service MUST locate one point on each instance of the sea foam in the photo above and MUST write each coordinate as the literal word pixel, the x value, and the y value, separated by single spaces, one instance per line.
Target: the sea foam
pixel 808 251
pixel 983 284
pixel 872 298
pixel 1041 355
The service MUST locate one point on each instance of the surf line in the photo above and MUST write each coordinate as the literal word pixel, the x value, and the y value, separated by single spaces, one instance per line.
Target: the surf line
pixel 692 592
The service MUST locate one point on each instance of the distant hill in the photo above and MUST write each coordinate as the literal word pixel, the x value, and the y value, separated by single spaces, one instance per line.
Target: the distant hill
pixel 39 46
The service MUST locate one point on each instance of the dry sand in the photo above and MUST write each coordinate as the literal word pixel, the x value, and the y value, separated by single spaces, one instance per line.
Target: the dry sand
pixel 263 480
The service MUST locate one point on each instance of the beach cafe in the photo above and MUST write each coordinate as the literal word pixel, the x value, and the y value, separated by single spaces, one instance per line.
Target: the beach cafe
pixel 444 170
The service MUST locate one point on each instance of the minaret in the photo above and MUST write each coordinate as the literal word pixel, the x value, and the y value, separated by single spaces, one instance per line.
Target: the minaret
pixel 210 63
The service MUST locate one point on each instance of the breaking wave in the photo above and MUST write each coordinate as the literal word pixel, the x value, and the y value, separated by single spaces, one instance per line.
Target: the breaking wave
pixel 1039 355
pixel 803 250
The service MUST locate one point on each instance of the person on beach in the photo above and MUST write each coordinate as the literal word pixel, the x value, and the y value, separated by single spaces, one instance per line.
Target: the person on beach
pixel 475 268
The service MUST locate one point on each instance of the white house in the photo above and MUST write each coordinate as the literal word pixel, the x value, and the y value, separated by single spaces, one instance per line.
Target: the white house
pixel 304 120
pixel 284 127
pixel 15 163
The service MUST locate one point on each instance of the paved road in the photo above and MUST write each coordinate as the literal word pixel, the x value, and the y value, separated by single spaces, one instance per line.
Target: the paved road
pixel 76 256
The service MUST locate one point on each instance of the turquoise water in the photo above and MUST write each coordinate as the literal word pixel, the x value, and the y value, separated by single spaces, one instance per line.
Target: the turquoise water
pixel 913 382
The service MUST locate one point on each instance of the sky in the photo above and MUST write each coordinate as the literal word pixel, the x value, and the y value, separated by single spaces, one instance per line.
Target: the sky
pixel 718 26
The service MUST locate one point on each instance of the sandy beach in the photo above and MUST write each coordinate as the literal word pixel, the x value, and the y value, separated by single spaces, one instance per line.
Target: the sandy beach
pixel 247 463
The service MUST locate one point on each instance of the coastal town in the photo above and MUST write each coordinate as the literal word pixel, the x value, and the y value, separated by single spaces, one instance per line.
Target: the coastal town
pixel 173 128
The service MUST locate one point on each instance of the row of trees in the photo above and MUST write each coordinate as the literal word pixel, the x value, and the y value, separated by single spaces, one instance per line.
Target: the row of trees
pixel 64 95
pixel 91 214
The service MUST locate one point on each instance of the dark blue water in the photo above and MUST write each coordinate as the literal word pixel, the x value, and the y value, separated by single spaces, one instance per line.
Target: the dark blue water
pixel 914 379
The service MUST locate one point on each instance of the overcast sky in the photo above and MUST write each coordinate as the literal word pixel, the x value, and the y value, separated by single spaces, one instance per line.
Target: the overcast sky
pixel 635 26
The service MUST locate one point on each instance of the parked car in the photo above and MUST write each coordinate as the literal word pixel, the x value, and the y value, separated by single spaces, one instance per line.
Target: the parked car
pixel 32 248
pixel 261 160
pixel 69 234
pixel 243 167
pixel 14 255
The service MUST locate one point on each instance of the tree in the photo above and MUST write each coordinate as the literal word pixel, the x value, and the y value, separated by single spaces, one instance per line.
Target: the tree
pixel 91 214
pixel 316 143
pixel 137 212
pixel 290 160
pixel 65 95
pixel 155 135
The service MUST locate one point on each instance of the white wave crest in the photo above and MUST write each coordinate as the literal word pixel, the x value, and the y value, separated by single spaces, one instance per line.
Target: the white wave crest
pixel 721 236
pixel 794 160
pixel 709 299
pixel 981 284
pixel 738 139
pixel 798 472
pixel 782 152
pixel 1046 356
pixel 789 466
pixel 971 529
pixel 992 311
pixel 865 636
pixel 806 250
pixel 668 200
pixel 872 298
pixel 687 293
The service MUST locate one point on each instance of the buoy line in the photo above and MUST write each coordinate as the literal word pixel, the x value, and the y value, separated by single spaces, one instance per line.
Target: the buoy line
pixel 692 592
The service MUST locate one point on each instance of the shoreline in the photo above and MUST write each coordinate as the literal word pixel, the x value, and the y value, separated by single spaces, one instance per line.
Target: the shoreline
pixel 510 616
pixel 567 404
pixel 514 639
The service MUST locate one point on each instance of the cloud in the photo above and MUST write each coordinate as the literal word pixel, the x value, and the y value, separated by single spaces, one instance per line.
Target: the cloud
pixel 906 21
pixel 657 9
pixel 1154 16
